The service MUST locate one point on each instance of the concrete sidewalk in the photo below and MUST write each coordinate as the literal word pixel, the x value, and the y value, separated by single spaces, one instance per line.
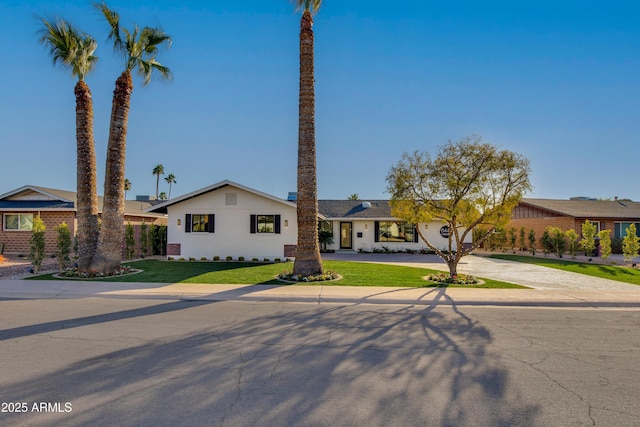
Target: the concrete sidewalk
pixel 319 294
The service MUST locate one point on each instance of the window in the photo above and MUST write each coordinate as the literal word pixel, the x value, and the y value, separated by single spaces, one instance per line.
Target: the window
pixel 620 229
pixel 395 231
pixel 18 222
pixel 265 224
pixel 325 226
pixel 199 223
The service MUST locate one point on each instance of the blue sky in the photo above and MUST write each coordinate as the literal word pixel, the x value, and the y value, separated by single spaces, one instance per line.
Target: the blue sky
pixel 558 82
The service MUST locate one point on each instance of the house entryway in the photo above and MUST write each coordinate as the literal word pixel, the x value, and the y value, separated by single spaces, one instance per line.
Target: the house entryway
pixel 346 231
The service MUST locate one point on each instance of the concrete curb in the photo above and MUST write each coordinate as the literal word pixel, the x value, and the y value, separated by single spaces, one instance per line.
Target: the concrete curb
pixel 320 294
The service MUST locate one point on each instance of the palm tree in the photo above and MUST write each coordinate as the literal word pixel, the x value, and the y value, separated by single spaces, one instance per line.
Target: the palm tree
pixel 162 195
pixel 157 171
pixel 74 50
pixel 139 48
pixel 171 179
pixel 308 260
pixel 127 187
pixel 354 196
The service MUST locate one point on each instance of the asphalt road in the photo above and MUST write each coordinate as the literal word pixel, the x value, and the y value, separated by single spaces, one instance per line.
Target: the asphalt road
pixel 105 362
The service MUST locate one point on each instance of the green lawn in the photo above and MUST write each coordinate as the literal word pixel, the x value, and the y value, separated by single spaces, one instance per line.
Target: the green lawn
pixel 621 274
pixel 354 274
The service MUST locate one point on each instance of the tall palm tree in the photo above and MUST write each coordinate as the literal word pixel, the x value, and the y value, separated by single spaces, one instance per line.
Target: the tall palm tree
pixel 127 187
pixel 308 260
pixel 157 171
pixel 139 48
pixel 171 179
pixel 75 50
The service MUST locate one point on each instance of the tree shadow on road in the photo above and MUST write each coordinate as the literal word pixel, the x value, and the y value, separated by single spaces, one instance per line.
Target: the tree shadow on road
pixel 300 365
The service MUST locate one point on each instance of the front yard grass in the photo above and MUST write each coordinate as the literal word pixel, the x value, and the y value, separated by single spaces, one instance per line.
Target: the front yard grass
pixel 620 274
pixel 353 274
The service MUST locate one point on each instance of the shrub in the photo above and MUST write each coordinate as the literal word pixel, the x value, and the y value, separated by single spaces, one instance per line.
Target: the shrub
pixel 266 260
pixel 458 279
pixel 276 260
pixel 616 245
pixel 255 259
pixel 532 241
pixel 144 239
pixel 229 258
pixel 191 258
pixel 630 243
pixel 216 258
pixel 204 258
pixel 546 241
pixel 129 241
pixel 573 237
pixel 240 258
pixel 63 246
pixel 605 244
pixel 170 258
pixel 36 254
pixel 588 241
pixel 181 259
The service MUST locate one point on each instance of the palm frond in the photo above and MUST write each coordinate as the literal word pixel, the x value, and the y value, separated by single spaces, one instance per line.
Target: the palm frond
pixel 310 5
pixel 113 19
pixel 68 46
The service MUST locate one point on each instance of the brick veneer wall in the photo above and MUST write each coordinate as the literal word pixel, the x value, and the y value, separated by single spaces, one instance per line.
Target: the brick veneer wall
pixel 18 242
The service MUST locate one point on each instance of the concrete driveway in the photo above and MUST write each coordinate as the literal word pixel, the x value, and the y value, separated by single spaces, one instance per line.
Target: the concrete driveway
pixel 529 275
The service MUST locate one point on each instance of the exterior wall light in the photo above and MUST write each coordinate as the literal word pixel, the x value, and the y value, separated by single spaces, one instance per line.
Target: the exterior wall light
pixel 179 222
pixel 286 222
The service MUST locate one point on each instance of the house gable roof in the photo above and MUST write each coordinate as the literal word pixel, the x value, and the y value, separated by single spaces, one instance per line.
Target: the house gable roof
pixel 162 207
pixel 32 197
pixel 589 209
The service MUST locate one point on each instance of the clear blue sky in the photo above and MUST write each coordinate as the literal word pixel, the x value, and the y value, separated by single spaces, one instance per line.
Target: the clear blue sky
pixel 558 81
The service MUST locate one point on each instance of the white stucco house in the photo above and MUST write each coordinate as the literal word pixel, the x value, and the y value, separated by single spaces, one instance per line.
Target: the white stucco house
pixel 230 219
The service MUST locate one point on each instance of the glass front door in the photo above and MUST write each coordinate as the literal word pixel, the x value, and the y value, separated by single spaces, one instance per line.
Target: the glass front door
pixel 345 235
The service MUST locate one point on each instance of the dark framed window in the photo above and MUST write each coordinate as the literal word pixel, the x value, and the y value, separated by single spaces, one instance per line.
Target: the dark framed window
pixel 395 231
pixel 265 224
pixel 199 223
pixel 620 229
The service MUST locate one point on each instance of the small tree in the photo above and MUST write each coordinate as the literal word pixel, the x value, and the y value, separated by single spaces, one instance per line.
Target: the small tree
pixel 605 244
pixel 129 241
pixel 572 238
pixel 36 253
pixel 532 241
pixel 144 239
pixel 512 239
pixel 63 246
pixel 630 243
pixel 523 241
pixel 468 184
pixel 588 241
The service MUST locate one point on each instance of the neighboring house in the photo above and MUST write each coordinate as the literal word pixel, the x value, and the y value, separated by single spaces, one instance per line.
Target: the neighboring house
pixel 229 219
pixel 538 214
pixel 20 206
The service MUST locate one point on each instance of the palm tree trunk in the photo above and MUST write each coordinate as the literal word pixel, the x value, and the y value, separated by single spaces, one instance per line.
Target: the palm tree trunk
pixel 308 260
pixel 87 193
pixel 109 253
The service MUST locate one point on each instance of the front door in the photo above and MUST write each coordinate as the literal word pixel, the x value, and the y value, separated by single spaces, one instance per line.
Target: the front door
pixel 345 235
